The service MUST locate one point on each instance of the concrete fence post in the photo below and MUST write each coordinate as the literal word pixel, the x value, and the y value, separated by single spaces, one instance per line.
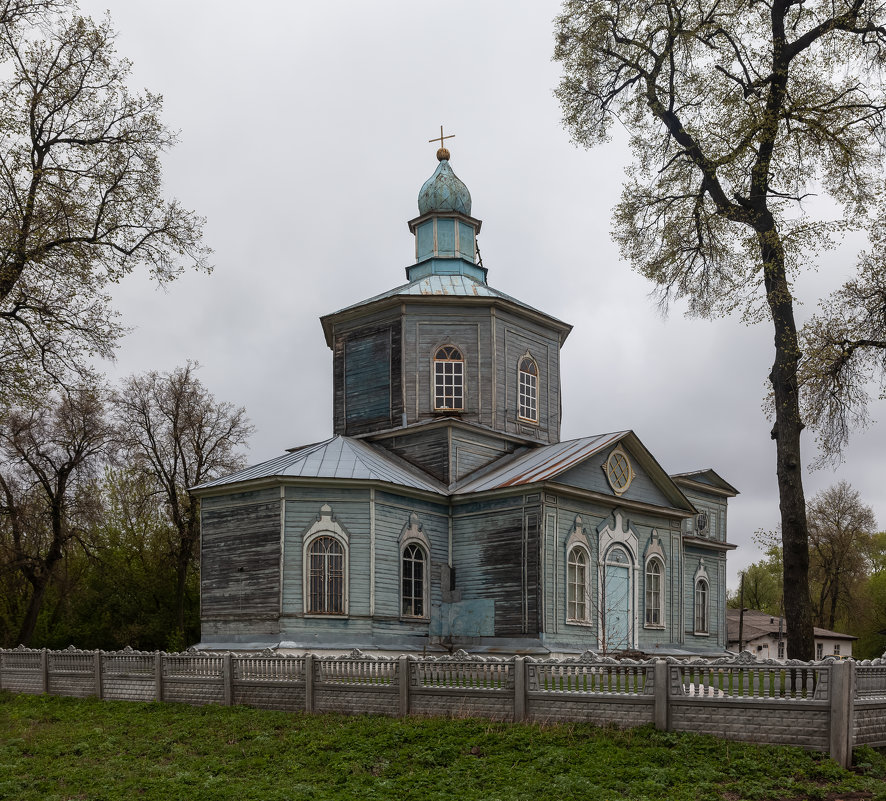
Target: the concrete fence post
pixel 228 679
pixel 44 669
pixel 841 709
pixel 660 694
pixel 519 688
pixel 403 678
pixel 158 676
pixel 309 682
pixel 97 663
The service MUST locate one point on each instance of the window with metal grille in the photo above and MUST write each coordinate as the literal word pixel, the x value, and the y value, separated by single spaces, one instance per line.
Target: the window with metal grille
pixel 528 389
pixel 701 607
pixel 653 593
pixel 326 559
pixel 449 379
pixel 576 581
pixel 413 587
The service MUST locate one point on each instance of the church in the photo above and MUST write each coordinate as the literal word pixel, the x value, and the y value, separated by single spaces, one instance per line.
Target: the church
pixel 445 512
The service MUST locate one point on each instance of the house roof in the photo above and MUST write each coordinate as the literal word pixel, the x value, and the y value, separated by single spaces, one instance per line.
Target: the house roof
pixel 549 461
pixel 339 457
pixel 711 480
pixel 762 624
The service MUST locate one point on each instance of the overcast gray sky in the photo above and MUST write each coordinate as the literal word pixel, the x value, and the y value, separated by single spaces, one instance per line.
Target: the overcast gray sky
pixel 304 131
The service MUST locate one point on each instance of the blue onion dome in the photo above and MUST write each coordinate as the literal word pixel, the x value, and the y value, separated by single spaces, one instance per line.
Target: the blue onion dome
pixel 443 191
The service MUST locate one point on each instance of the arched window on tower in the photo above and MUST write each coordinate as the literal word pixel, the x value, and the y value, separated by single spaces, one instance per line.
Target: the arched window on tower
pixel 449 379
pixel 528 389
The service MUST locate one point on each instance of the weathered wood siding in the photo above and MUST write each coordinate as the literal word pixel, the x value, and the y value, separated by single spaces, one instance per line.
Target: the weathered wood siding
pixel 472 450
pixel 428 450
pixel 240 556
pixel 591 475
pixel 496 552
pixel 367 378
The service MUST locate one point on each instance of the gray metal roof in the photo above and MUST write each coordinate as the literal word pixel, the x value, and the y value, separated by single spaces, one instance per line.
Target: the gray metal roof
pixel 444 285
pixel 540 464
pixel 338 457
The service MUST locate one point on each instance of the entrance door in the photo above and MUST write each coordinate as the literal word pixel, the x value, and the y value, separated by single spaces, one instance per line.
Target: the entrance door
pixel 616 610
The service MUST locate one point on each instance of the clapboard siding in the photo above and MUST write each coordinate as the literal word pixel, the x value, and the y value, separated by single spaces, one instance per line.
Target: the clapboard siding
pixel 591 475
pixel 428 450
pixel 496 557
pixel 367 378
pixel 240 560
pixel 353 516
pixel 472 450
pixel 238 498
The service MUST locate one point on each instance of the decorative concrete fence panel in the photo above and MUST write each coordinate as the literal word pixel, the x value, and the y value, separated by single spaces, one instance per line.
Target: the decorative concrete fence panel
pixel 770 703
pixel 869 718
pixel 591 689
pixel 827 706
pixel 463 686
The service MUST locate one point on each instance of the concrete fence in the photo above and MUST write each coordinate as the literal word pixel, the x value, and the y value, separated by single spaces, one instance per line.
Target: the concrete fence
pixel 828 706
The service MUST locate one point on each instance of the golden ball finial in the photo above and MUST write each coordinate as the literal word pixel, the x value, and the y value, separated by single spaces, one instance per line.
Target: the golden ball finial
pixel 442 154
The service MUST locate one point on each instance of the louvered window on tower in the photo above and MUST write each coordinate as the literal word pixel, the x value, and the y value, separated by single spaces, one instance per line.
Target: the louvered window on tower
pixel 449 379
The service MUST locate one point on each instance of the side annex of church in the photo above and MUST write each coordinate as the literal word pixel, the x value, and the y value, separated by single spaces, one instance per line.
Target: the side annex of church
pixel 445 512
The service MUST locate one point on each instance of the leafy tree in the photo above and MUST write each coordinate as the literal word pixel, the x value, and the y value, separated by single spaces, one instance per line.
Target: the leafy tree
pixel 49 457
pixel 841 531
pixel 737 110
pixel 80 193
pixel 762 587
pixel 178 435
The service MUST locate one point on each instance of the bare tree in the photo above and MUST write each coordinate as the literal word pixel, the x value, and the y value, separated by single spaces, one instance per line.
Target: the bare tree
pixel 841 536
pixel 80 193
pixel 175 431
pixel 49 456
pixel 737 111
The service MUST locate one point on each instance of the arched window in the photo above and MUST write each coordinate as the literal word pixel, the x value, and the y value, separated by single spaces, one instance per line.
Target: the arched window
pixel 528 389
pixel 653 593
pixel 414 583
pixel 326 577
pixel 577 585
pixel 449 379
pixel 701 607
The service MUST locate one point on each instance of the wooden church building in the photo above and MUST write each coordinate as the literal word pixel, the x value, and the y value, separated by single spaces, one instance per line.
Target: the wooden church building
pixel 445 512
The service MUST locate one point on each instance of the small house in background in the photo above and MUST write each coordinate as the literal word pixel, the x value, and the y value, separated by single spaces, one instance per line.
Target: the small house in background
pixel 766 636
pixel 445 512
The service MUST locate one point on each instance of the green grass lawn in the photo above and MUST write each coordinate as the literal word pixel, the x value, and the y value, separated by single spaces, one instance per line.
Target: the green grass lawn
pixel 65 748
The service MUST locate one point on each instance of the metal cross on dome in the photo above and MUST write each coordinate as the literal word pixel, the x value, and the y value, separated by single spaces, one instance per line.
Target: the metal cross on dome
pixel 440 138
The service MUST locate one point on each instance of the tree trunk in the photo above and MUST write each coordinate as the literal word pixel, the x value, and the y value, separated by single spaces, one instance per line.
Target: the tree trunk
pixel 786 433
pixel 39 582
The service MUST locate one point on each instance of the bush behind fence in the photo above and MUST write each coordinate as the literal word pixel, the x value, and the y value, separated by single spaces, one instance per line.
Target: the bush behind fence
pixel 828 706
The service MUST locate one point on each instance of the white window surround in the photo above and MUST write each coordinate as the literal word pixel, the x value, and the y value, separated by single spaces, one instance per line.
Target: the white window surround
pixel 453 369
pixel 325 526
pixel 413 534
pixel 527 389
pixel 701 575
pixel 578 540
pixel 618 530
pixel 654 552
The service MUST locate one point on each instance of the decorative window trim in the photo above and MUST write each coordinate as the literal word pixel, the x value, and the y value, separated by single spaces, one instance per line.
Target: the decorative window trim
pixel 655 559
pixel 413 534
pixel 532 390
pixel 701 576
pixel 325 526
pixel 617 529
pixel 578 547
pixel 619 470
pixel 461 376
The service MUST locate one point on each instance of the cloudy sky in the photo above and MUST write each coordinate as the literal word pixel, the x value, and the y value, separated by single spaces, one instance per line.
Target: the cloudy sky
pixel 304 133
